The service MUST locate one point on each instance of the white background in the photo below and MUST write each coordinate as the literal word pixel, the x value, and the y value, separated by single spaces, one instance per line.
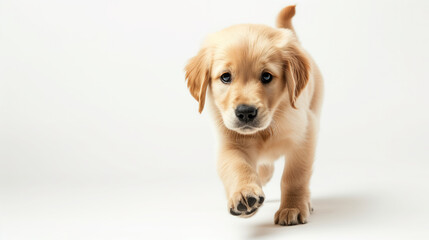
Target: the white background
pixel 100 139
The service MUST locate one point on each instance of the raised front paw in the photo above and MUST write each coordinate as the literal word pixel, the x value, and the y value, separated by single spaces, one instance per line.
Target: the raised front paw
pixel 293 213
pixel 246 201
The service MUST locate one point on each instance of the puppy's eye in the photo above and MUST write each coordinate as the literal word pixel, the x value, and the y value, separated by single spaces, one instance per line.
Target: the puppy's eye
pixel 266 77
pixel 226 78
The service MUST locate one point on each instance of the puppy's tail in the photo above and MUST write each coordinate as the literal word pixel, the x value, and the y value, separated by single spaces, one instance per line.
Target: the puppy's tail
pixel 284 19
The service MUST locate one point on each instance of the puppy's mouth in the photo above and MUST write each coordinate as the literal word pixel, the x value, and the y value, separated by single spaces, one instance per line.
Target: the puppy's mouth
pixel 249 128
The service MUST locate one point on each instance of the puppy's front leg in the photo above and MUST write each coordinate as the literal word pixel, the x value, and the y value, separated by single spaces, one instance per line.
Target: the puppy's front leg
pixel 243 187
pixel 295 199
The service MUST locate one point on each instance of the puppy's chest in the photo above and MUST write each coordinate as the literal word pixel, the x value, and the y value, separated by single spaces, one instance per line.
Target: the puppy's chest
pixel 273 149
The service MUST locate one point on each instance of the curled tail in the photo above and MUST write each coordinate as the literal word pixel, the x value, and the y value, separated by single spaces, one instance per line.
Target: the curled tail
pixel 284 19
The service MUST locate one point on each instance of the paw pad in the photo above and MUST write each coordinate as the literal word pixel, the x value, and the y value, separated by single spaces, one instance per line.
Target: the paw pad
pixel 247 206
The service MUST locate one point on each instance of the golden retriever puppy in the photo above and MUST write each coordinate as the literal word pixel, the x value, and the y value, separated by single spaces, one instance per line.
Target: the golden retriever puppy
pixel 266 95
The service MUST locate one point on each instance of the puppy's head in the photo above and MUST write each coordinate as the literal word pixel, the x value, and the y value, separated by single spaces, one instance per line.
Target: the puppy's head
pixel 249 70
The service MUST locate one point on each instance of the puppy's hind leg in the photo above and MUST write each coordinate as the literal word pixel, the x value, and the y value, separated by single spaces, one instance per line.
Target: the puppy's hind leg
pixel 265 172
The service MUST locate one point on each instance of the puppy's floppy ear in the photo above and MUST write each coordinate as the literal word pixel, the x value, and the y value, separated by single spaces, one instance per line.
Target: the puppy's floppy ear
pixel 297 70
pixel 198 76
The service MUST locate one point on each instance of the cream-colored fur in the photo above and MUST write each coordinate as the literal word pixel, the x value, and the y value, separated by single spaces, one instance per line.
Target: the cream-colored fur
pixel 288 113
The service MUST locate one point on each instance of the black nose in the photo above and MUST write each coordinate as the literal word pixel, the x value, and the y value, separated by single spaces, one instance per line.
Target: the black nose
pixel 246 113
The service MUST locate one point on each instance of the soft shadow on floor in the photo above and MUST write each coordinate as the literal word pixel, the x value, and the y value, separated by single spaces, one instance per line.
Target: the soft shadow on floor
pixel 327 211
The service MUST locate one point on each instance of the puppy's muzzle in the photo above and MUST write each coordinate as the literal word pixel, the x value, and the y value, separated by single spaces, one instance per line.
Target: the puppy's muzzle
pixel 246 113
